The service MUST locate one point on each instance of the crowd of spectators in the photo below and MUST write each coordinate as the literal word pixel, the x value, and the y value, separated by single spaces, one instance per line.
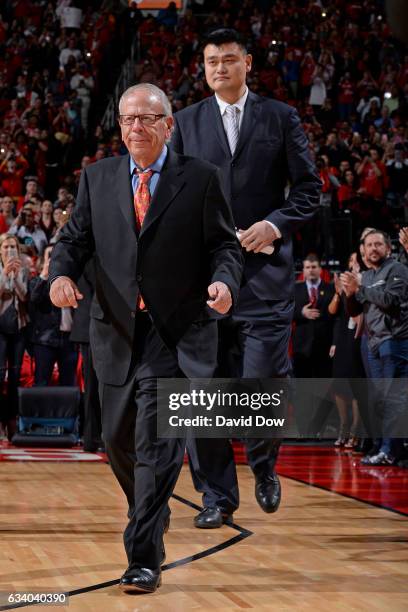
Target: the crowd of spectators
pixel 347 76
pixel 352 330
pixel 51 55
pixel 336 61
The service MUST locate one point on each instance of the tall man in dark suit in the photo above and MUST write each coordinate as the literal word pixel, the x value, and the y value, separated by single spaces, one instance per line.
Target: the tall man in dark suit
pixel 159 263
pixel 258 145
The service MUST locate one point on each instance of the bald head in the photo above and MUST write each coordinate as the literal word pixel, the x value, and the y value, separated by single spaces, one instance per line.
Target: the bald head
pixel 156 94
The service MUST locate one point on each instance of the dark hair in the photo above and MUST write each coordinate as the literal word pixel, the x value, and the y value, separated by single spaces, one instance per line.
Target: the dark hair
pixel 386 236
pixel 222 36
pixel 343 177
pixel 312 258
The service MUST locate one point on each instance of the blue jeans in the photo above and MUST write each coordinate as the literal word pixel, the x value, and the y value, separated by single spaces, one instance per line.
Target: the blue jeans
pixel 391 364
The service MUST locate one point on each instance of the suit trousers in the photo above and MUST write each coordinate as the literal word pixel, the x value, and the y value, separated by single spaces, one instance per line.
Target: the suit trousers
pixel 253 343
pixel 92 429
pixel 145 466
pixel 65 355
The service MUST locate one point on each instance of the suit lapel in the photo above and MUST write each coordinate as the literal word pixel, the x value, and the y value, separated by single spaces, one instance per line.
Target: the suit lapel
pixel 249 120
pixel 306 297
pixel 123 188
pixel 170 183
pixel 216 121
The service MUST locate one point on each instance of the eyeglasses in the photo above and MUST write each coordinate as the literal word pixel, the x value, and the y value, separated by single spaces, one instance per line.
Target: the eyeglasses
pixel 147 119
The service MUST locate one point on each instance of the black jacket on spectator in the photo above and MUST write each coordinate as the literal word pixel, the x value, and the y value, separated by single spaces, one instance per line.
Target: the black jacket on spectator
pixel 312 338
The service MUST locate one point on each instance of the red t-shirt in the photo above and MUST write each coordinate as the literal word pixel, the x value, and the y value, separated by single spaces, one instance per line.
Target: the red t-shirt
pixel 345 194
pixel 346 94
pixel 3 225
pixel 373 184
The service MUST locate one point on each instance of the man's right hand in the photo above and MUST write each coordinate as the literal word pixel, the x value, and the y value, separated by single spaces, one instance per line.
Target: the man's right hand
pixel 64 293
pixel 403 238
pixel 309 312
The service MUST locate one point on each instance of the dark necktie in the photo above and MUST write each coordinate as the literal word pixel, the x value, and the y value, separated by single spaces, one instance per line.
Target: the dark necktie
pixel 313 296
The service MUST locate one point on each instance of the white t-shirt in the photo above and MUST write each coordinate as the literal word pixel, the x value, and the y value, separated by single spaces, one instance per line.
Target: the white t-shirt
pixel 71 17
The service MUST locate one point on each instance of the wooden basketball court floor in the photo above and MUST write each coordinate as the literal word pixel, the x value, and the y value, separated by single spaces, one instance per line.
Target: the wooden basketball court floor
pixel 61 530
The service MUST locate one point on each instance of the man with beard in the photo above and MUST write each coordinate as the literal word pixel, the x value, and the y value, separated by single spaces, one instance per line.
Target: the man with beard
pixel 381 293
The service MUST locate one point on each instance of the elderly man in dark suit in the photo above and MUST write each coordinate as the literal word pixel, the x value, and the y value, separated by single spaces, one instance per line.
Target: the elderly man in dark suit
pixel 165 248
pixel 259 146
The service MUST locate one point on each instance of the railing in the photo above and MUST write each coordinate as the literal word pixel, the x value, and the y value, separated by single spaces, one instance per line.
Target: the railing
pixel 125 80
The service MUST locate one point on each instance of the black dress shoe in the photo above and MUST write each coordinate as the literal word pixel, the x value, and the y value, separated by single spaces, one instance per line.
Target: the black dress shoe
pixel 211 518
pixel 140 580
pixel 268 493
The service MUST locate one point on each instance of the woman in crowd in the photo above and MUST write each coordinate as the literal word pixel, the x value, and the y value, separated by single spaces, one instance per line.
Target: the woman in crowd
pixel 6 214
pixel 13 319
pixel 347 363
pixel 47 223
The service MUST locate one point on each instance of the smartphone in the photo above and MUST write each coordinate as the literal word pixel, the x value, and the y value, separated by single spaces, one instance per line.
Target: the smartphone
pixel 12 252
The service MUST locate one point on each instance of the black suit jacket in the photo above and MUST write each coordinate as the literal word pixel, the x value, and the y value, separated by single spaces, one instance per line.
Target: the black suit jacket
pixel 313 335
pixel 272 149
pixel 186 242
pixel 81 319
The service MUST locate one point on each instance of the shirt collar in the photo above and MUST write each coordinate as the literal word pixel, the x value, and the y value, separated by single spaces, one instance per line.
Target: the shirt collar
pixel 316 285
pixel 239 103
pixel 156 166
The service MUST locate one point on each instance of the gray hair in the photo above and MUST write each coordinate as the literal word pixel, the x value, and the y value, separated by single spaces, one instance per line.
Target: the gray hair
pixel 154 91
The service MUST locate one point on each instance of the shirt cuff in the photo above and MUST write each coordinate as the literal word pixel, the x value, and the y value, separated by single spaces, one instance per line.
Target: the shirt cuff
pixel 278 234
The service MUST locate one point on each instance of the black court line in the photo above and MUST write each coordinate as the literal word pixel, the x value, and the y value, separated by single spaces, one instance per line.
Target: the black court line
pixel 242 535
pixel 347 495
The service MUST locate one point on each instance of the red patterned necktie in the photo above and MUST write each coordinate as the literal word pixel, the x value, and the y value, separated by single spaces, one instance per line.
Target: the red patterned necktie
pixel 142 196
pixel 313 297
pixel 142 203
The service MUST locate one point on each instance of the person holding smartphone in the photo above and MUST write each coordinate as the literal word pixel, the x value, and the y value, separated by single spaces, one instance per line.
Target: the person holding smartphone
pixel 13 319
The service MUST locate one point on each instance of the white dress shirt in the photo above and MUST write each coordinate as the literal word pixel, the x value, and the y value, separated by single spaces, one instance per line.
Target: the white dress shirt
pixel 240 105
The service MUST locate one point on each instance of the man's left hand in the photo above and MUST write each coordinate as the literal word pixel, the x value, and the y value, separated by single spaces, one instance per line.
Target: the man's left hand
pixel 260 235
pixel 351 282
pixel 220 297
